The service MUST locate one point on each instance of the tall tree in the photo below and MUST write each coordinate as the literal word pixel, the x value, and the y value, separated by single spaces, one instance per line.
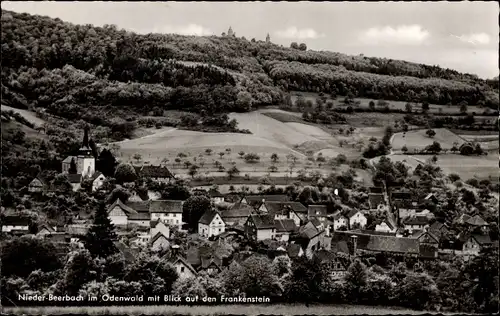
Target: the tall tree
pixel 194 208
pixel 101 236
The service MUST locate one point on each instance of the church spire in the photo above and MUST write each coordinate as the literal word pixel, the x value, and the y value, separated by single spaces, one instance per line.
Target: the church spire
pixel 86 137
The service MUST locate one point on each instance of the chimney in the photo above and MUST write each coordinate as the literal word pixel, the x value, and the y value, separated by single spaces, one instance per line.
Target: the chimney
pixel 354 240
pixel 175 250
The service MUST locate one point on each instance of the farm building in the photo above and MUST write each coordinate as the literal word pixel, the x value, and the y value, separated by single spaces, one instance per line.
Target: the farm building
pixel 260 227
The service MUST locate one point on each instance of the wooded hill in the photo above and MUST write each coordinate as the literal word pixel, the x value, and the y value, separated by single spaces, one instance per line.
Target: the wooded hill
pixel 76 71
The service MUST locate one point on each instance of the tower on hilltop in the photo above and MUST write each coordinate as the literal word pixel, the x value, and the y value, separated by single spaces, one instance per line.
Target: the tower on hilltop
pixel 268 38
pixel 230 32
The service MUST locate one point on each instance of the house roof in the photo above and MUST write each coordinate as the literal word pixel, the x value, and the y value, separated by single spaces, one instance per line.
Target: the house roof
pixel 285 225
pixel 15 220
pixel 482 239
pixel 338 215
pixel 316 211
pixel 151 171
pixel 405 204
pixel 378 190
pixel 45 226
pixel 438 228
pixel 77 229
pixel 353 212
pixel 139 216
pixel 309 231
pixel 128 253
pixel 165 206
pixel 96 175
pixel 59 237
pixel 184 262
pixel 476 221
pixel 279 207
pixel 375 233
pixel 256 200
pixel 293 250
pixel 74 178
pixel 208 217
pixel 127 209
pixel 463 218
pixel 315 221
pixel 38 181
pixel 215 193
pixel 138 206
pixel 262 221
pixel 237 210
pixel 401 195
pixel 371 242
pixel 158 236
pixel 206 262
pixel 424 236
pixel 416 220
pixel 429 196
pixel 375 199
pixel 155 223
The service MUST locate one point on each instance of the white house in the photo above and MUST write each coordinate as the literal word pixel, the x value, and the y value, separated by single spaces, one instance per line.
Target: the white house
pixel 183 268
pixel 474 244
pixel 415 222
pixel 15 224
pixel 211 224
pixel 97 181
pixel 119 213
pixel 169 211
pixel 339 220
pixel 159 242
pixel 388 225
pixel 356 218
pixel 159 227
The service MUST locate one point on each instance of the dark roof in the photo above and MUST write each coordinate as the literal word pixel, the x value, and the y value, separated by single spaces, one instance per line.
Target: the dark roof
pixel 165 206
pixel 401 196
pixel 293 250
pixel 95 175
pixel 77 229
pixel 262 221
pixel 316 211
pixel 309 231
pixel 424 236
pixel 405 204
pixel 155 223
pixel 206 262
pixel 158 236
pixel 183 261
pixel 338 215
pixel 353 212
pixel 375 200
pixel 15 220
pixel 139 216
pixel 46 226
pixel 208 216
pixel 437 226
pixel 284 207
pixel 375 233
pixel 138 206
pixel 215 193
pixel 38 181
pixel 285 225
pixel 482 239
pixel 127 209
pixel 59 237
pixel 463 218
pixel 378 243
pixel 416 220
pixel 238 210
pixel 315 222
pixel 476 221
pixel 74 178
pixel 254 200
pixel 378 190
pixel 150 171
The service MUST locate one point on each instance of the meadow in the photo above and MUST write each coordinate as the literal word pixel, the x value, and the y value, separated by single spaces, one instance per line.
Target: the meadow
pixel 30 116
pixel 418 139
pixel 250 309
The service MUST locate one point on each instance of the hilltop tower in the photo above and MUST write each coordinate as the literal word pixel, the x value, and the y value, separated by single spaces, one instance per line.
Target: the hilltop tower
pixel 230 32
pixel 268 38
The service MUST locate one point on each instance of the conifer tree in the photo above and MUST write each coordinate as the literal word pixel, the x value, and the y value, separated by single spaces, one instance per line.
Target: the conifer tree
pixel 101 236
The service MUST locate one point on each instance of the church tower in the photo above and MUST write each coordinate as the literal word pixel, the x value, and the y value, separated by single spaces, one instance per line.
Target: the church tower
pixel 85 159
pixel 268 38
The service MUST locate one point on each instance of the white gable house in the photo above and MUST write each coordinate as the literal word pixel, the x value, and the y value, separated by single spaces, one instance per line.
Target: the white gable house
pixel 211 224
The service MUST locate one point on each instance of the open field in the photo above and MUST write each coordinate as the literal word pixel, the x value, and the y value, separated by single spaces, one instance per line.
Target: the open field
pixel 396 105
pixel 467 167
pixel 479 138
pixel 417 139
pixel 284 117
pixel 476 133
pixel 249 309
pixel 28 115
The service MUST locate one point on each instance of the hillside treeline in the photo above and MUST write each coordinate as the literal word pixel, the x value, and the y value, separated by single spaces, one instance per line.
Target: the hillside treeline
pixel 70 69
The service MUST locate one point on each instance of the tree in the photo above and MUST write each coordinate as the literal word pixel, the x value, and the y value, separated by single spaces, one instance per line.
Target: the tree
pixel 404 149
pixel 463 108
pixel 294 45
pixel 137 157
pixel 425 106
pixel 371 105
pixel 302 46
pixel 430 133
pixel 435 147
pixel 418 291
pixel 125 173
pixel 408 107
pixel 187 164
pixel 252 158
pixel 79 269
pixel 208 151
pixel 274 157
pixel 22 255
pixel 233 172
pixel 241 154
pixel 193 170
pixel 221 154
pixel 106 163
pixel 194 208
pixel 101 236
pixel 273 169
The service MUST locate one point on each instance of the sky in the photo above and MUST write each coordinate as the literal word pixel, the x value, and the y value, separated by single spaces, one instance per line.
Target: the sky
pixel 457 35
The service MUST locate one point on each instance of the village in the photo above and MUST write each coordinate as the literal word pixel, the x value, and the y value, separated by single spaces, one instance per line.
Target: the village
pixel 268 225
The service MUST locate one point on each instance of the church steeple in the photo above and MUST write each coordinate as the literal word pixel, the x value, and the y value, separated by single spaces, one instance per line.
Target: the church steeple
pixel 85 142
